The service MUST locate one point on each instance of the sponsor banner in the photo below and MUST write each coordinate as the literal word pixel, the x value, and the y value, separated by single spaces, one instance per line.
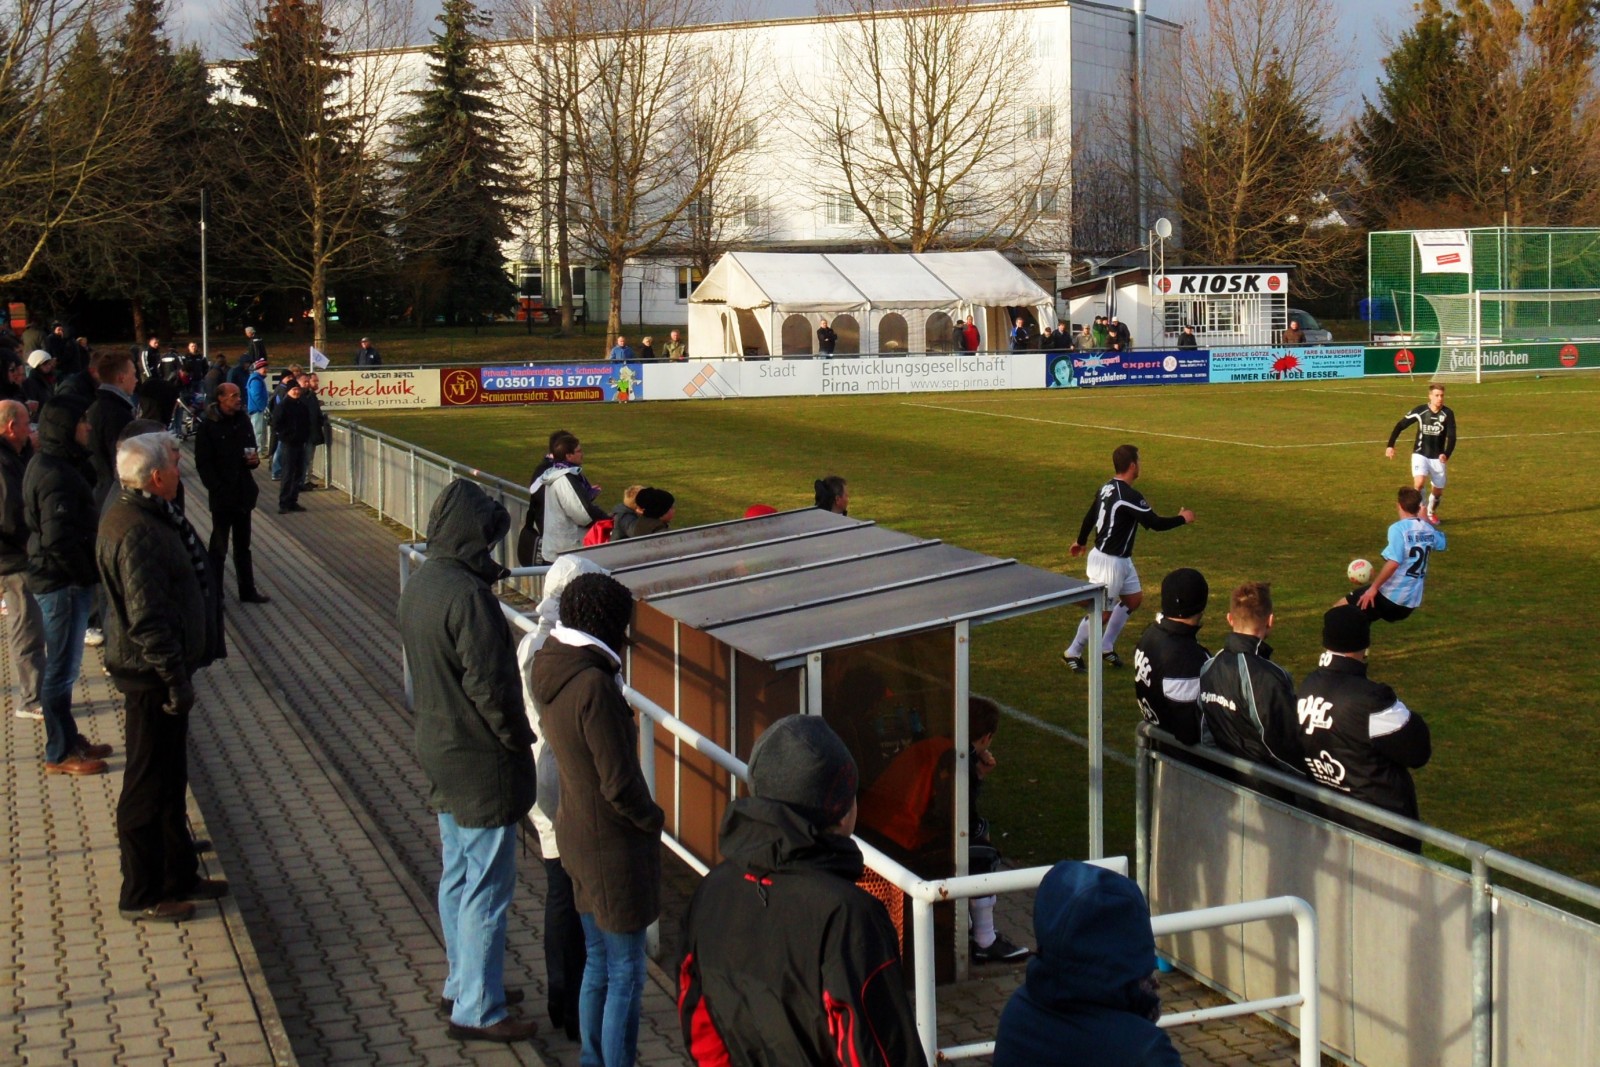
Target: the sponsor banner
pixel 844 375
pixel 1444 251
pixel 533 384
pixel 1233 281
pixel 375 387
pixel 1459 359
pixel 1183 366
pixel 1298 363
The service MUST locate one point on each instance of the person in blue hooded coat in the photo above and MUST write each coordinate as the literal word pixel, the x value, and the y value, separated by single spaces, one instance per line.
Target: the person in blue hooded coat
pixel 1088 998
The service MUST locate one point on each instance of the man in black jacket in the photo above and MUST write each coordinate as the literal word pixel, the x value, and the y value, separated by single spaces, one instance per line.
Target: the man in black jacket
pixel 1168 658
pixel 22 610
pixel 785 961
pixel 58 505
pixel 291 427
pixel 1360 738
pixel 1247 700
pixel 474 743
pixel 309 385
pixel 111 411
pixel 226 454
pixel 163 623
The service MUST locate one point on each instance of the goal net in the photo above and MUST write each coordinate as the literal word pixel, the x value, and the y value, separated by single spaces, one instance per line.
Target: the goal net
pixel 1488 317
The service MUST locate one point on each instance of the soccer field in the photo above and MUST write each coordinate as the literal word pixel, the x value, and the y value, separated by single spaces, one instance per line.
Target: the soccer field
pixel 1289 483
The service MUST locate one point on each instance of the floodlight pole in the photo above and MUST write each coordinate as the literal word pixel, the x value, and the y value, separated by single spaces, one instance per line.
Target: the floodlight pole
pixel 205 333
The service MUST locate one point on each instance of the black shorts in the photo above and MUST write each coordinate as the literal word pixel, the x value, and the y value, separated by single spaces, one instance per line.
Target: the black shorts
pixel 1383 609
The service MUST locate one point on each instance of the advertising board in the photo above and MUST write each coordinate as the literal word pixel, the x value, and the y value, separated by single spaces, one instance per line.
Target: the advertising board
pixel 531 384
pixel 375 387
pixel 1431 359
pixel 1294 363
pixel 845 376
pixel 1179 367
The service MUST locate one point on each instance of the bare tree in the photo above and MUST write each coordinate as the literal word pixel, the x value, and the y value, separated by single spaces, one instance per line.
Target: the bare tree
pixel 924 130
pixel 62 138
pixel 732 209
pixel 633 76
pixel 1236 139
pixel 315 96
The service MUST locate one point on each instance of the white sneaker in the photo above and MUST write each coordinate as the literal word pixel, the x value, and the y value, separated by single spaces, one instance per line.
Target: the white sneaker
pixel 94 637
pixel 34 712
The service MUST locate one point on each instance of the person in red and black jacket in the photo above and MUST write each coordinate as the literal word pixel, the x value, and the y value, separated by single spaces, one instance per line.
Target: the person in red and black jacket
pixel 785 960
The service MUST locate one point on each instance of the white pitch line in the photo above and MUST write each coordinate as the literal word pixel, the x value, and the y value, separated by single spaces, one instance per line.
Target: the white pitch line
pixel 1062 732
pixel 1086 425
pixel 1220 441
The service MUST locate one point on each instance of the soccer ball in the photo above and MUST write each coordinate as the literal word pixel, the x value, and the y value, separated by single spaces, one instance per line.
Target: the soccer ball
pixel 1359 571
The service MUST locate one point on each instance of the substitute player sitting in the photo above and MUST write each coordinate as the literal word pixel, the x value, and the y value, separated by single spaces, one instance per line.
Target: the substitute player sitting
pixel 1396 591
pixel 1115 517
pixel 1436 442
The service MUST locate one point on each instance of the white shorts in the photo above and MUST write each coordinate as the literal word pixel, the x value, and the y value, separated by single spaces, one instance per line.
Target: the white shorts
pixel 1116 573
pixel 1432 468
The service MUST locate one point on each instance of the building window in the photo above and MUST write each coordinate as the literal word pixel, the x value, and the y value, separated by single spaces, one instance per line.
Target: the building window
pixel 839 209
pixel 530 280
pixel 688 278
pixel 889 209
pixel 752 212
pixel 1040 122
pixel 1045 202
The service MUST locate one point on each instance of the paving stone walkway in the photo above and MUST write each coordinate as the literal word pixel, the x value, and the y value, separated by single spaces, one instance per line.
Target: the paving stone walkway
pixel 301 760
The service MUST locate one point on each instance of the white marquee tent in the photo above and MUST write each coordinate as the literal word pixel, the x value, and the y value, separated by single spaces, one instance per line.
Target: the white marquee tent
pixel 771 303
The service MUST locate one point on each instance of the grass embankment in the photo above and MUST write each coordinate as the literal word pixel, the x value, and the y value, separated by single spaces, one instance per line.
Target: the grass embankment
pixel 1289 483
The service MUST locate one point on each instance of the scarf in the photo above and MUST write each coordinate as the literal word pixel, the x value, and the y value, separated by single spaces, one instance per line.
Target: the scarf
pixel 199 558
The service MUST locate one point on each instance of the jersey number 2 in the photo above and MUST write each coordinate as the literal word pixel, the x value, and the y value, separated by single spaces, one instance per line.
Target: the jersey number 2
pixel 1419 562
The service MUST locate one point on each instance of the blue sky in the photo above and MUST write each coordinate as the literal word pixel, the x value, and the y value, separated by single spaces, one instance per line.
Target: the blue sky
pixel 1365 27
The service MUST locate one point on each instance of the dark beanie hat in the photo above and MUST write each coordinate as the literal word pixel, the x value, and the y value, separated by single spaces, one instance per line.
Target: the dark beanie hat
pixel 654 503
pixel 1346 629
pixel 600 606
pixel 1184 593
pixel 801 763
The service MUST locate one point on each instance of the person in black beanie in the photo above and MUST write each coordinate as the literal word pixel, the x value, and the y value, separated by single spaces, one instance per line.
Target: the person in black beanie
pixel 607 826
pixel 1360 738
pixel 1168 658
pixel 784 898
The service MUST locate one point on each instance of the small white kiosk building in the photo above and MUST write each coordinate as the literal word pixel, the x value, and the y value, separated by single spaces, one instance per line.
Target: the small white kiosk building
pixel 1227 306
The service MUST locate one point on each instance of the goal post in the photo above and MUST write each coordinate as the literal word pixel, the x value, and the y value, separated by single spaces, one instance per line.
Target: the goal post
pixel 1469 321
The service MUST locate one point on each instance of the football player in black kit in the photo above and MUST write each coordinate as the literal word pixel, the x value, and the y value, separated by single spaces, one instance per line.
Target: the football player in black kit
pixel 1358 737
pixel 1114 518
pixel 1436 443
pixel 1168 658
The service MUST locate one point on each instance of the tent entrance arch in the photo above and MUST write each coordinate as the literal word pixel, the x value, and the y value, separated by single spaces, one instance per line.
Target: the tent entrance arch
pixel 797 336
pixel 849 331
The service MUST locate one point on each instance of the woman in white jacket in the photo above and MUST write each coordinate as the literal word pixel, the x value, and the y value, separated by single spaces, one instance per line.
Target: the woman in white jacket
pixel 564 953
pixel 568 513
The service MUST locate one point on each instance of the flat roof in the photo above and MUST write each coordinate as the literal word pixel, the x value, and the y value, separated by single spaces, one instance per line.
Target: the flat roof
pixel 781 587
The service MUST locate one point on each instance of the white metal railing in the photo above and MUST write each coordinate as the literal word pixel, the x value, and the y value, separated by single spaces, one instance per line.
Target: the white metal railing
pixel 925 894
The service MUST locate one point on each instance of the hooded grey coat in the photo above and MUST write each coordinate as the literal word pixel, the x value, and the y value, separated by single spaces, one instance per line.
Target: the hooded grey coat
pixel 473 735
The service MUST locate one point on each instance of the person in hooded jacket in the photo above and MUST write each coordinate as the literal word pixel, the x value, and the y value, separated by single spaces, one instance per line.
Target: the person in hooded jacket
pixel 566 499
pixel 58 507
pixel 1089 998
pixel 474 744
pixel 607 825
pixel 785 961
pixel 563 932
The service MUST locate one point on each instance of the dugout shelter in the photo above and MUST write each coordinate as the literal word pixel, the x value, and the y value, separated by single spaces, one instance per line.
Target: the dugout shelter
pixel 765 304
pixel 740 623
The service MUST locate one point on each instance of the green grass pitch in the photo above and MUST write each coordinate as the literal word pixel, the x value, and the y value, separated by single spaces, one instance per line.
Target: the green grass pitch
pixel 1289 483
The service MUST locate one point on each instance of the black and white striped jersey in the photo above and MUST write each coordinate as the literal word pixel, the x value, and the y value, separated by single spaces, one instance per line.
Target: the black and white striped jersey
pixel 1436 431
pixel 1116 515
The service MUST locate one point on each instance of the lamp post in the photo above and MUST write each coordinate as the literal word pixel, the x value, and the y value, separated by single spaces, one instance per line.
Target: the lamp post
pixel 1505 197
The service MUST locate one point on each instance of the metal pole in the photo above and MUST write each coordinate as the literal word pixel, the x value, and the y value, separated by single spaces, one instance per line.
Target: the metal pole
pixel 412 474
pixel 1097 740
pixel 1482 963
pixel 927 1009
pixel 205 344
pixel 405 664
pixel 1310 985
pixel 1141 812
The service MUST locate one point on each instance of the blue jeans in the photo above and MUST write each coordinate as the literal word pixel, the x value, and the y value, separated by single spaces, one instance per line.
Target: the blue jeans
pixel 66 617
pixel 611 998
pixel 480 871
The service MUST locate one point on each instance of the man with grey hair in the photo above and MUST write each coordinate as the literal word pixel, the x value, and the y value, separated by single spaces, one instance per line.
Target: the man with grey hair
pixel 22 610
pixel 162 625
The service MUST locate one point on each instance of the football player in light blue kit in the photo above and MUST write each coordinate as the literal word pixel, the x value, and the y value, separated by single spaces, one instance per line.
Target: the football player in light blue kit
pixel 1396 590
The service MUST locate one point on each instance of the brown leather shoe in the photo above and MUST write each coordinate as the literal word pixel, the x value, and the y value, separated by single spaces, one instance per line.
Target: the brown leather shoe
pixel 513 998
pixel 168 911
pixel 505 1031
pixel 87 749
pixel 76 765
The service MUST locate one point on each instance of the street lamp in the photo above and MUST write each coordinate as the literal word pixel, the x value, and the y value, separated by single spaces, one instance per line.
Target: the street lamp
pixel 1505 197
